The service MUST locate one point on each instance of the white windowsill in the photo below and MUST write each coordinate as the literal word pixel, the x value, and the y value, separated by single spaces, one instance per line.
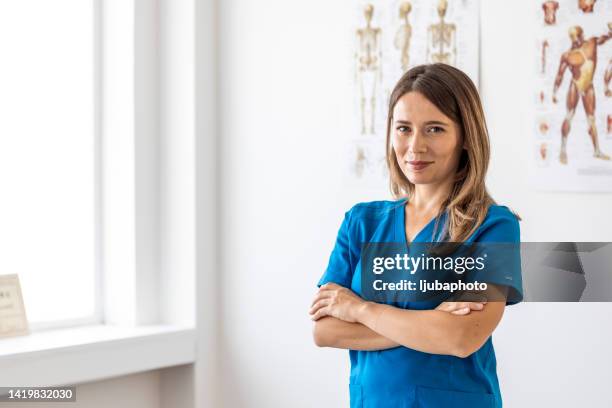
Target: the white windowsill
pixel 89 353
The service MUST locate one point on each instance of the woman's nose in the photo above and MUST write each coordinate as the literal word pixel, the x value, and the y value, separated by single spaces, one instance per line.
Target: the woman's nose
pixel 417 143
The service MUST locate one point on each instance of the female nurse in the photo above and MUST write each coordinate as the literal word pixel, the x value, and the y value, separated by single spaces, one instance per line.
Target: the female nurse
pixel 415 354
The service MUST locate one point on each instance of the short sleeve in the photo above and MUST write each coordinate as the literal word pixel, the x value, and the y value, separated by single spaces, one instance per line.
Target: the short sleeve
pixel 500 237
pixel 342 259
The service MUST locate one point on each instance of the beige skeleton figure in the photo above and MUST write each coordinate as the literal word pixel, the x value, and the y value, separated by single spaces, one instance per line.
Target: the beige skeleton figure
pixel 440 37
pixel 369 68
pixel 586 5
pixel 550 10
pixel 607 77
pixel 581 59
pixel 403 35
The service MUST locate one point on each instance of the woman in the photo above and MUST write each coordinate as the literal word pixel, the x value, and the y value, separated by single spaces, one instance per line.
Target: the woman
pixel 419 354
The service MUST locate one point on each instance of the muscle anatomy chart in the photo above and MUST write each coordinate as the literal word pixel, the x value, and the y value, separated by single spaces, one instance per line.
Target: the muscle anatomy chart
pixel 575 69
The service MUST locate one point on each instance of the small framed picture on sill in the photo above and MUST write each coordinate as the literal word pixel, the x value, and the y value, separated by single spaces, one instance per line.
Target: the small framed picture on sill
pixel 13 321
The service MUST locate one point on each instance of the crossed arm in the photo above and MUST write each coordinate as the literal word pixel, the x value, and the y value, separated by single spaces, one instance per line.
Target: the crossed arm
pixel 344 320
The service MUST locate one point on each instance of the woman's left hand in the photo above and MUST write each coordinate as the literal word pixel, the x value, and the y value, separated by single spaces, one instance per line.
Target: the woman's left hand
pixel 337 301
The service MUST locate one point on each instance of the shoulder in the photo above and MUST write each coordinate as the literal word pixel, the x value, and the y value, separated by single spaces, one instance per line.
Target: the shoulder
pixel 500 224
pixel 500 212
pixel 364 220
pixel 374 209
pixel 367 216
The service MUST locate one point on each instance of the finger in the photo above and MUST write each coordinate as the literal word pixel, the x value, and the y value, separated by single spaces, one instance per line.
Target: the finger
pixel 319 296
pixel 329 289
pixel 461 312
pixel 455 306
pixel 442 307
pixel 321 303
pixel 470 305
pixel 320 313
pixel 315 299
pixel 446 306
pixel 452 306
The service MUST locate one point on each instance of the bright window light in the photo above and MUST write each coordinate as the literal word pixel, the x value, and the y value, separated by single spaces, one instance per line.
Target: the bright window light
pixel 47 155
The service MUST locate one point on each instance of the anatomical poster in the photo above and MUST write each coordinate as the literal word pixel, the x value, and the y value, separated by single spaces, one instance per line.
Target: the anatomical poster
pixel 572 122
pixel 387 39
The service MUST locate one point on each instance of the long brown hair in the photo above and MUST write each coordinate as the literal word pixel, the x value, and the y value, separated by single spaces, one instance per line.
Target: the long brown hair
pixel 455 95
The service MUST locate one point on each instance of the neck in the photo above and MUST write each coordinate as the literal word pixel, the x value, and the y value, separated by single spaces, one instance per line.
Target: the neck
pixel 429 197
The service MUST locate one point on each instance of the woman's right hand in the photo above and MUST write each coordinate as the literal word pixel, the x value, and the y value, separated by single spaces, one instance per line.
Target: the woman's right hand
pixel 460 308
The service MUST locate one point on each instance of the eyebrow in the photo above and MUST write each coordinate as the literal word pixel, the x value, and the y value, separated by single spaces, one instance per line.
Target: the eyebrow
pixel 431 122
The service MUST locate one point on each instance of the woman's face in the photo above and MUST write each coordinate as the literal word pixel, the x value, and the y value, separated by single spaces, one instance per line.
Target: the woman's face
pixel 426 142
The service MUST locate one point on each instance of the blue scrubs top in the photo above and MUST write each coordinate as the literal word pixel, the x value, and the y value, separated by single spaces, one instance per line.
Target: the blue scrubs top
pixel 402 377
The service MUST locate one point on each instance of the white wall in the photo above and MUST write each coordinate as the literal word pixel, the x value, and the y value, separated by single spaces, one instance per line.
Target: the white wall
pixel 282 197
pixel 283 69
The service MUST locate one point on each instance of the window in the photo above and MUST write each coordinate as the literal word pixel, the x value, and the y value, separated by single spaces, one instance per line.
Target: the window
pixel 48 176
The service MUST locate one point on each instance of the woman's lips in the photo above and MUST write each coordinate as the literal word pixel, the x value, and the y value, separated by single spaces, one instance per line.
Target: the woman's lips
pixel 418 165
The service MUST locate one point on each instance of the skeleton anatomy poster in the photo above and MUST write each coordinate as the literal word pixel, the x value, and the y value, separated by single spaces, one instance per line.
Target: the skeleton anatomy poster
pixel 388 38
pixel 572 145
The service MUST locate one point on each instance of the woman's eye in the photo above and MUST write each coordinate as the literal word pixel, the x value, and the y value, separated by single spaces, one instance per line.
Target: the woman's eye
pixel 402 129
pixel 436 129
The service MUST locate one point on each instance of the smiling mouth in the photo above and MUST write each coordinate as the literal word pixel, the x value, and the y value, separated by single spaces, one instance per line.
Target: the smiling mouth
pixel 419 165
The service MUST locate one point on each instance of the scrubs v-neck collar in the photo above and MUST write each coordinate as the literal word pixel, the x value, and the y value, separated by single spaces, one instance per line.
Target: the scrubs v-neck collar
pixel 400 226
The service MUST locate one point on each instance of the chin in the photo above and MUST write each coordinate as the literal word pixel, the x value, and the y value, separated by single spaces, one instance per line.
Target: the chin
pixel 419 178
